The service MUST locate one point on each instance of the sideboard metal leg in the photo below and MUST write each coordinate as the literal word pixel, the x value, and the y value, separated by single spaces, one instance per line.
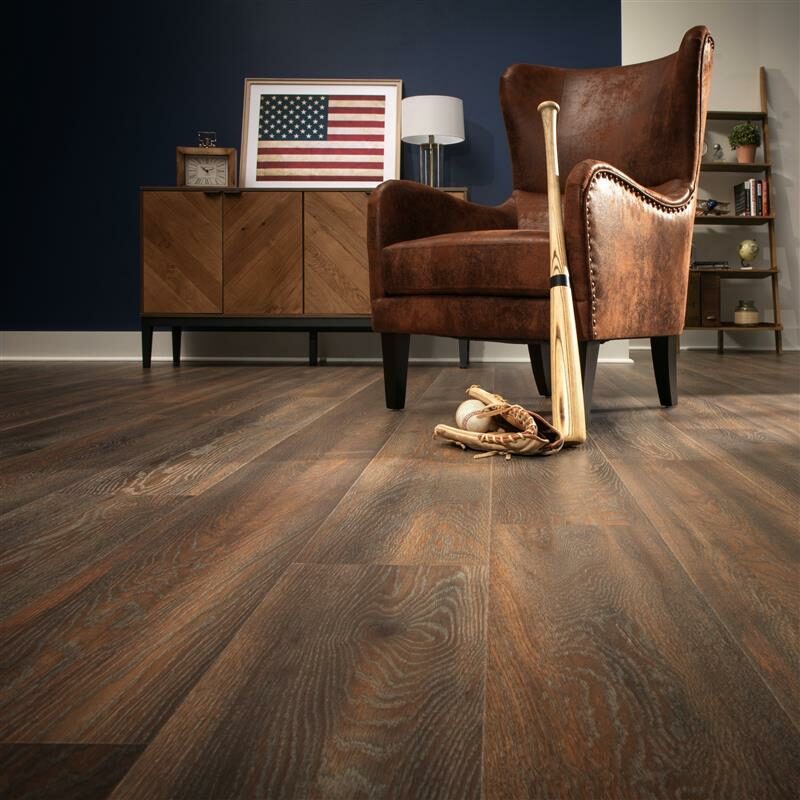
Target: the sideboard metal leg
pixel 176 345
pixel 147 343
pixel 312 348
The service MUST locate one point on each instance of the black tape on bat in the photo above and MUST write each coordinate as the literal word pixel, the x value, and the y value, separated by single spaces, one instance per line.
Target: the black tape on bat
pixel 559 280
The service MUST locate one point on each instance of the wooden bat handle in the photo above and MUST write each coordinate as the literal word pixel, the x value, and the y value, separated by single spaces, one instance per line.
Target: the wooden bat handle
pixel 566 384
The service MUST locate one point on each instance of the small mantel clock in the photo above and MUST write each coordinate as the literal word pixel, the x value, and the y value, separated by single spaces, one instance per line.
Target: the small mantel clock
pixel 206 166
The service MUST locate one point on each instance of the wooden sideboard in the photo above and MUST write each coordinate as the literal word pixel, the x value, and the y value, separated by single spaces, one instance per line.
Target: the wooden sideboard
pixel 281 260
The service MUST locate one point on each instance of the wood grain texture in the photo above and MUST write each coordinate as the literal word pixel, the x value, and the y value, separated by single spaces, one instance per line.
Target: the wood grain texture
pixel 117 655
pixel 45 546
pixel 340 685
pixel 90 654
pixel 409 507
pixel 181 236
pixel 263 253
pixel 735 529
pixel 97 448
pixel 63 771
pixel 605 659
pixel 329 602
pixel 208 453
pixel 335 247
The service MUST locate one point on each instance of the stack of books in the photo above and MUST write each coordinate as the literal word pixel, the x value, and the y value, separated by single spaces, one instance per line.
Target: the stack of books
pixel 751 198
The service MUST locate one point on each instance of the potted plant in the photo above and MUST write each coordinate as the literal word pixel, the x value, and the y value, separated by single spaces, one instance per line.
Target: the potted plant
pixel 745 138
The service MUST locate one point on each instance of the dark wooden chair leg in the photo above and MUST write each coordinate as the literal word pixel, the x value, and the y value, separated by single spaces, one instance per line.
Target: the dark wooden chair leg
pixel 312 348
pixel 588 351
pixel 463 353
pixel 176 346
pixel 665 366
pixel 395 367
pixel 539 353
pixel 147 343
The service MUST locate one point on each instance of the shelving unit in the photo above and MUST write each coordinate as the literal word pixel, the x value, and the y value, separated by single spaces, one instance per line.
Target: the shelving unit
pixel 764 168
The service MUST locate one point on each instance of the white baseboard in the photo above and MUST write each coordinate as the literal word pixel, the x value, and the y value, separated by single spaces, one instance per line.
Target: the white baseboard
pixel 256 347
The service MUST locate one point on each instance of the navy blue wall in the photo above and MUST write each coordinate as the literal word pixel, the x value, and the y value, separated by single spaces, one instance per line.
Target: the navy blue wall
pixel 110 92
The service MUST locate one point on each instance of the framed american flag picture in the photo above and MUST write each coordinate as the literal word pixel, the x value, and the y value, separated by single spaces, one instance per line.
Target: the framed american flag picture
pixel 320 134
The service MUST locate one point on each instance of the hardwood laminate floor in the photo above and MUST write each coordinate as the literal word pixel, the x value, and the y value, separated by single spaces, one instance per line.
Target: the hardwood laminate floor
pixel 238 582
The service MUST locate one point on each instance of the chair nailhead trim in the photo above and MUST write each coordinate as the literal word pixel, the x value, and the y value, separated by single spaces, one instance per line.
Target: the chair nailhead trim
pixel 648 200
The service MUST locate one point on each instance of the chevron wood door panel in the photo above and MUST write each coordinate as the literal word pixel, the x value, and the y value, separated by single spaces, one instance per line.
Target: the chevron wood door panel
pixel 263 253
pixel 335 244
pixel 181 253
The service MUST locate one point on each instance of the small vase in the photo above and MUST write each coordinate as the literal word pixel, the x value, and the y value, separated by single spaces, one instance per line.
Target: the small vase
pixel 746 313
pixel 746 153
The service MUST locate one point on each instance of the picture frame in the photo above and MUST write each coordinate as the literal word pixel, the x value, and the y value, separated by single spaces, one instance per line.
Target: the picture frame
pixel 320 133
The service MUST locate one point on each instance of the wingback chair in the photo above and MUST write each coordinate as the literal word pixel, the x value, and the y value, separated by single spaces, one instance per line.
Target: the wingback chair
pixel 629 146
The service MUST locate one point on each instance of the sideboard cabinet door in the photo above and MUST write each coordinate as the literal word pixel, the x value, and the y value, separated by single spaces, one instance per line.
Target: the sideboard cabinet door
pixel 181 253
pixel 336 266
pixel 263 253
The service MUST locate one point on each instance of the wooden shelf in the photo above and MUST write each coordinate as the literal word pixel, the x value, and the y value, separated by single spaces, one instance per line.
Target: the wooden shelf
pixel 729 326
pixel 735 272
pixel 703 301
pixel 733 166
pixel 729 219
pixel 737 115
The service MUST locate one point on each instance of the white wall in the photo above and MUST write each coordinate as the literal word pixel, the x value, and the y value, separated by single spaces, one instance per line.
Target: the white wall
pixel 747 35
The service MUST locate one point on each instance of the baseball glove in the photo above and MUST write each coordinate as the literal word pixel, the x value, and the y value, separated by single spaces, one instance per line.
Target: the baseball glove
pixel 519 431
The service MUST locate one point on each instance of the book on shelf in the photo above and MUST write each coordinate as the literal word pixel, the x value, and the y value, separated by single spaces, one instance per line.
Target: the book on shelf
pixel 751 198
pixel 718 264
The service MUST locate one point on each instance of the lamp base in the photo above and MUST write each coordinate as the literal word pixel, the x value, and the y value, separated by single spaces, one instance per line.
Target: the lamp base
pixel 430 163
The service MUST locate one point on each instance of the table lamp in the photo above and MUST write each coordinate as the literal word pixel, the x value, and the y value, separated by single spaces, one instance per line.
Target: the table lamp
pixel 431 120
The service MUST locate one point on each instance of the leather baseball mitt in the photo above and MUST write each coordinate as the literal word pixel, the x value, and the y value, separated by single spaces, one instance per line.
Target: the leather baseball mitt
pixel 520 432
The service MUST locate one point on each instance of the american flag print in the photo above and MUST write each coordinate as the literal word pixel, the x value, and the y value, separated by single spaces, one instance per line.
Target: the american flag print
pixel 337 138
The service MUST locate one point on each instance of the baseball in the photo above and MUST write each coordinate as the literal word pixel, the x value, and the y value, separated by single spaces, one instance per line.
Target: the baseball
pixel 468 420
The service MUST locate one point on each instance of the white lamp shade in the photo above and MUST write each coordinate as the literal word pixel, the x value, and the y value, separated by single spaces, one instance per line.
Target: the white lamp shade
pixel 433 115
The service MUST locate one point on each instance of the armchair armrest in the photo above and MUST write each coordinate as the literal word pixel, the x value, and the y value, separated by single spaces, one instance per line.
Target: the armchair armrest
pixel 400 211
pixel 629 248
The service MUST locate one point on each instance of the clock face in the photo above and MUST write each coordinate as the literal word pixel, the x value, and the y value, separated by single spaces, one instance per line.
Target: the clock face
pixel 206 171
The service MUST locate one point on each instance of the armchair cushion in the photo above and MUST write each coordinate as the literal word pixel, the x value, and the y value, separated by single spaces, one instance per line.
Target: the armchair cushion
pixel 498 263
pixel 402 211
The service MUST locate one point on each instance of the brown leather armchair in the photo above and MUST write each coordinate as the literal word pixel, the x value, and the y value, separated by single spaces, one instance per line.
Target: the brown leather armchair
pixel 629 143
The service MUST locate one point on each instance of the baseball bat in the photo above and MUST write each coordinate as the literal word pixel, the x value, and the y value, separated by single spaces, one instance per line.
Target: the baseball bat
pixel 566 384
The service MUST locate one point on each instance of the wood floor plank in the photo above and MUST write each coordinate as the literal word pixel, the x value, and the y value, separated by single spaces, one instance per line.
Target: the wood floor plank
pixel 609 675
pixel 419 501
pixel 95 441
pixel 641 629
pixel 348 681
pixel 215 448
pixel 116 656
pixel 63 771
pixel 741 548
pixel 122 456
pixel 48 546
pixel 139 400
pixel 735 528
pixel 764 449
pixel 92 392
pixel 112 660
pixel 39 443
